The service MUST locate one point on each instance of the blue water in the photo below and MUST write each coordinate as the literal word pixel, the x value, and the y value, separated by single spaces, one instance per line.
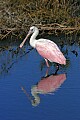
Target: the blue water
pixel 24 68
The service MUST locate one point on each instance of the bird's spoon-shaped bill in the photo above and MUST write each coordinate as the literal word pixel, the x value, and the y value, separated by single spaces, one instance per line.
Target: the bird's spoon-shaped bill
pixel 21 45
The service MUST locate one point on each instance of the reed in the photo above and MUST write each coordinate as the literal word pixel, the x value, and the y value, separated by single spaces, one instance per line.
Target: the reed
pixel 19 15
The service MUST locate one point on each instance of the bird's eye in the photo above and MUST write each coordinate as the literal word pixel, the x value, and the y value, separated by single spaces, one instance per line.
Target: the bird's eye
pixel 31 30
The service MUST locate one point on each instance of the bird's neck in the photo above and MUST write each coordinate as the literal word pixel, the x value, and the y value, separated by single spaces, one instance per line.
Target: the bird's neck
pixel 34 93
pixel 33 38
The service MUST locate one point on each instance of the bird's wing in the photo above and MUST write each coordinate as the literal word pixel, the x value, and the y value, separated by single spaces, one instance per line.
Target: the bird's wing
pixel 50 51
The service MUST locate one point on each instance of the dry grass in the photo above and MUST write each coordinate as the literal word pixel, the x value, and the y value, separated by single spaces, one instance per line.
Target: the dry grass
pixel 18 15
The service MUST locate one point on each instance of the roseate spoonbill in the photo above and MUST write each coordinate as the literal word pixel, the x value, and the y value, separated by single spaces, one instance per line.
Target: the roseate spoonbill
pixel 46 48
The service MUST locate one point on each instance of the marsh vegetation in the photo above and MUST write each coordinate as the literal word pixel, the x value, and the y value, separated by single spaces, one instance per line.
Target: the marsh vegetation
pixel 16 16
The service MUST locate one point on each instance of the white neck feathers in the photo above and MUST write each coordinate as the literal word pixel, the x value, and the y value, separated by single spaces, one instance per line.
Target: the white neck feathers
pixel 33 38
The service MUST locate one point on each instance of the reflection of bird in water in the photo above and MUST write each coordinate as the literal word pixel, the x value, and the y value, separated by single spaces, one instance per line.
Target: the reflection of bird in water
pixel 46 48
pixel 46 85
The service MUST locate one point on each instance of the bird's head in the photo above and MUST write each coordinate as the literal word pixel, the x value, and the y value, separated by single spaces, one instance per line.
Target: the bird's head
pixel 31 31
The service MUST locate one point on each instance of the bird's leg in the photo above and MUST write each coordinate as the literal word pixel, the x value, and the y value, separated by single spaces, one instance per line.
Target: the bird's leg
pixel 57 68
pixel 47 72
pixel 47 62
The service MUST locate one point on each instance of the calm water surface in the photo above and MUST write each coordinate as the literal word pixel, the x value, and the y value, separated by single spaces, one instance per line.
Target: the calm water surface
pixel 29 91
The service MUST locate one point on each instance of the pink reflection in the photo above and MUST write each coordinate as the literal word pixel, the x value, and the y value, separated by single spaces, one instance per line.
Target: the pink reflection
pixel 46 85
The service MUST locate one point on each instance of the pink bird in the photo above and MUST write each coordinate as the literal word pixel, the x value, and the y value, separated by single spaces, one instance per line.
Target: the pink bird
pixel 46 48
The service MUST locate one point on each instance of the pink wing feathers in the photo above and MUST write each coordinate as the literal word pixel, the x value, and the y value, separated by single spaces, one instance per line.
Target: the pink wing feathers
pixel 50 51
